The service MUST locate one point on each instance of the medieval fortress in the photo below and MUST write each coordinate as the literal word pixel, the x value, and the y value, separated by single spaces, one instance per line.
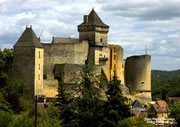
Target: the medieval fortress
pixel 42 65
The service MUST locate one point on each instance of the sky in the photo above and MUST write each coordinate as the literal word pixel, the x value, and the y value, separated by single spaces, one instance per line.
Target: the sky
pixel 134 24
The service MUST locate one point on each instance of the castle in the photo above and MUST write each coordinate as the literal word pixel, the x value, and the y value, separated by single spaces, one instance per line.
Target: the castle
pixel 41 65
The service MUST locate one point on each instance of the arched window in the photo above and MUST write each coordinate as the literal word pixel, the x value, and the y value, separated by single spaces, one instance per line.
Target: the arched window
pixel 101 40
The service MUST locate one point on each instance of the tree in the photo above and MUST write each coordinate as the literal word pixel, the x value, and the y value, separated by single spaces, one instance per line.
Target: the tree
pixel 6 57
pixel 89 102
pixel 175 112
pixel 135 122
pixel 66 106
pixel 84 110
pixel 116 109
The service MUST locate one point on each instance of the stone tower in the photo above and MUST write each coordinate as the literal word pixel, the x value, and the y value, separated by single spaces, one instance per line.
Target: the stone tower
pixel 28 62
pixel 138 76
pixel 95 31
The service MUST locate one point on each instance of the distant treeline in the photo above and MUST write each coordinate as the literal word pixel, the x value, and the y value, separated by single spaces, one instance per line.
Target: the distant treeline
pixel 164 75
pixel 165 84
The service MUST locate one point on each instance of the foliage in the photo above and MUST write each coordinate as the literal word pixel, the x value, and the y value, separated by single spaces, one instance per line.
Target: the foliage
pixel 116 109
pixel 89 103
pixel 163 75
pixel 170 87
pixel 135 122
pixel 5 118
pixel 85 108
pixel 6 57
pixel 175 111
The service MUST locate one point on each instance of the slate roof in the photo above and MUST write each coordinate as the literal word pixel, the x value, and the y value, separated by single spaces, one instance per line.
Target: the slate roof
pixel 136 105
pixel 28 38
pixel 94 20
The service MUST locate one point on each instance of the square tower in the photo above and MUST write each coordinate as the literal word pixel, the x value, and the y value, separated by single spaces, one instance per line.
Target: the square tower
pixel 28 62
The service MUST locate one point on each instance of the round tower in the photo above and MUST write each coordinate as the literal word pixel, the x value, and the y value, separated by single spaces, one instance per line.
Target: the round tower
pixel 138 75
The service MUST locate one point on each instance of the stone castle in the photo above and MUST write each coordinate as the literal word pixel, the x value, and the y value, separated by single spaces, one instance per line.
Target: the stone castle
pixel 41 65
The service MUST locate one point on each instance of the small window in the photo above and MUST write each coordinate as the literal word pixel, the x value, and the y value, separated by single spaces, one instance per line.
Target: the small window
pixel 39 55
pixel 142 82
pixel 114 57
pixel 39 66
pixel 100 54
pixel 39 76
pixel 122 66
pixel 114 49
pixel 140 92
pixel 101 40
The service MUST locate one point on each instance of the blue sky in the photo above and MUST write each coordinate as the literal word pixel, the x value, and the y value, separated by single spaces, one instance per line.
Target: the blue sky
pixel 133 24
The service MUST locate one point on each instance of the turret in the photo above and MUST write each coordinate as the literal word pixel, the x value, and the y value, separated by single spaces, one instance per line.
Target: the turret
pixel 28 62
pixel 93 29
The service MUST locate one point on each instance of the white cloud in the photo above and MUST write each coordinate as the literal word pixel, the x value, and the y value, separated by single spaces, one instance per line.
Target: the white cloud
pixel 133 24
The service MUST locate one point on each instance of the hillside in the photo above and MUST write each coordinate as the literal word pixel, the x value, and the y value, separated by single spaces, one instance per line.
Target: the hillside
pixel 167 82
pixel 164 75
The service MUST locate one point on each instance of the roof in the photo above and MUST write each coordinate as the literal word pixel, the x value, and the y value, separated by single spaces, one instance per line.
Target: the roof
pixel 161 106
pixel 28 38
pixel 174 98
pixel 137 105
pixel 58 40
pixel 157 108
pixel 94 20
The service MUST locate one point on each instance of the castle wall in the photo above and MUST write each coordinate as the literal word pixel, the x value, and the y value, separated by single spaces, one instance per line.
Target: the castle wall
pixel 50 87
pixel 116 62
pixel 138 75
pixel 24 67
pixel 73 53
pixel 39 66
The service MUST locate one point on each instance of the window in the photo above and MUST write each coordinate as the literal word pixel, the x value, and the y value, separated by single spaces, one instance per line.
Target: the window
pixel 101 40
pixel 114 57
pixel 39 76
pixel 114 49
pixel 100 54
pixel 142 82
pixel 39 66
pixel 39 55
pixel 122 66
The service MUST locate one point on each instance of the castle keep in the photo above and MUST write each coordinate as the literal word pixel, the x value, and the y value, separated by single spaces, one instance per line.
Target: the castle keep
pixel 42 65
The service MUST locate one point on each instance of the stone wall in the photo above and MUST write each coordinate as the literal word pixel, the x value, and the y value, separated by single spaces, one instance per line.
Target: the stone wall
pixel 62 53
pixel 39 66
pixel 116 62
pixel 24 67
pixel 138 75
pixel 50 87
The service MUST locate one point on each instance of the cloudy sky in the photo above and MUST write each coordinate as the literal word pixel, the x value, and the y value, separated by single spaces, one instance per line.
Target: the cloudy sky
pixel 133 24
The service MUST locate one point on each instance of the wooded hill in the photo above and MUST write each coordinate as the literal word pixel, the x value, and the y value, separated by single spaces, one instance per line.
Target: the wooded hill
pixel 165 83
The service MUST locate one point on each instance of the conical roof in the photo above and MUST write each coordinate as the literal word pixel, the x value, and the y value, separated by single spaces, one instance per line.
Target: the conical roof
pixel 28 38
pixel 94 19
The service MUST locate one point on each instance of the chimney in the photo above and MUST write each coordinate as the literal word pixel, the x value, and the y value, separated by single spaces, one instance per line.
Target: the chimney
pixel 85 18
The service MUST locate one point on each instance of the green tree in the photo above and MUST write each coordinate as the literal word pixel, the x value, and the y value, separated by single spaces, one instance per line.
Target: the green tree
pixel 116 109
pixel 135 122
pixel 175 112
pixel 6 57
pixel 66 106
pixel 84 109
